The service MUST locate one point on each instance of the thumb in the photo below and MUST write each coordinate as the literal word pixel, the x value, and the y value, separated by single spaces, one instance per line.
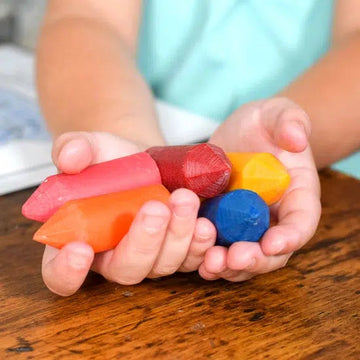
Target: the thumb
pixel 287 124
pixel 74 151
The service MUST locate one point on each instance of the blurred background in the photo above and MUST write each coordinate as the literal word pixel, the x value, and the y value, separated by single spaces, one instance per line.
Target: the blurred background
pixel 25 146
pixel 20 20
pixel 20 118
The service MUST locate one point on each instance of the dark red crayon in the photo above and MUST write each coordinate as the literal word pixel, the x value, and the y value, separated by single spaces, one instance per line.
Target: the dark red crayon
pixel 203 168
pixel 125 173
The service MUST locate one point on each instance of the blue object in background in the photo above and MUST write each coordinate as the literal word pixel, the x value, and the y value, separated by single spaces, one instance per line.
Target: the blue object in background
pixel 239 215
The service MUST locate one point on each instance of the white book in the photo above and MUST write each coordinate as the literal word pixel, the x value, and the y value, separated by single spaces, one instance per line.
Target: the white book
pixel 25 145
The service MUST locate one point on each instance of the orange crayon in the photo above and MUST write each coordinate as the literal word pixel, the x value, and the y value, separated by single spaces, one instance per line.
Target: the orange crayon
pixel 262 173
pixel 100 221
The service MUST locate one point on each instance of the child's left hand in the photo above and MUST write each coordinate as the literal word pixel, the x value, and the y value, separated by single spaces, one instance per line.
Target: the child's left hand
pixel 280 127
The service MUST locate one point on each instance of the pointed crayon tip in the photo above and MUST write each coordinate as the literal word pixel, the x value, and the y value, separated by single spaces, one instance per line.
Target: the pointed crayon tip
pixel 44 200
pixel 207 170
pixel 61 228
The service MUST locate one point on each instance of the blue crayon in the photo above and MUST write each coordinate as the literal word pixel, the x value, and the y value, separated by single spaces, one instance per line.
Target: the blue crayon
pixel 239 215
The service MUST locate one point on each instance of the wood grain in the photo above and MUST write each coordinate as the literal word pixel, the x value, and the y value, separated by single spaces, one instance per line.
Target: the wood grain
pixel 308 310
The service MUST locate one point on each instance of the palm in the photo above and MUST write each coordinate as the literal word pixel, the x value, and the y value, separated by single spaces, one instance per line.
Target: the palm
pixel 275 127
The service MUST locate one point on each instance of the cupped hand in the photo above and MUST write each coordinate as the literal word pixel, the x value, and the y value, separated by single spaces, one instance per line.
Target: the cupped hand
pixel 162 239
pixel 280 127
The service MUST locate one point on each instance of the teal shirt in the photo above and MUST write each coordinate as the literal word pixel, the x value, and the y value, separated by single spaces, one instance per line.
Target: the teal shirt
pixel 212 56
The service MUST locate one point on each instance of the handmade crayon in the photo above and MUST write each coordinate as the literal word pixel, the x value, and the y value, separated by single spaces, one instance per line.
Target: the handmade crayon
pixel 202 168
pixel 239 215
pixel 116 175
pixel 100 221
pixel 262 173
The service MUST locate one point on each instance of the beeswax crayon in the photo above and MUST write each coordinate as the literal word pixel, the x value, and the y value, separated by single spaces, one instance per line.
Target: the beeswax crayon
pixel 116 175
pixel 202 168
pixel 239 215
pixel 100 221
pixel 262 173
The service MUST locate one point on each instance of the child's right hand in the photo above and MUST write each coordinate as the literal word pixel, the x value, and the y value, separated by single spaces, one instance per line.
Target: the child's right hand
pixel 162 239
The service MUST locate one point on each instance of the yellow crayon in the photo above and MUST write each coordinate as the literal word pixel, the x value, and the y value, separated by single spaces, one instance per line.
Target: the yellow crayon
pixel 262 173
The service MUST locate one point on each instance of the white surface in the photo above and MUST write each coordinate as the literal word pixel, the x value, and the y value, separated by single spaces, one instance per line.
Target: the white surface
pixel 19 155
pixel 25 162
pixel 181 127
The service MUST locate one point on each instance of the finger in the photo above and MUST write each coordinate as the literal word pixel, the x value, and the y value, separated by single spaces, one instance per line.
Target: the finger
pixel 184 205
pixel 287 124
pixel 242 261
pixel 237 276
pixel 132 260
pixel 206 275
pixel 74 151
pixel 203 239
pixel 215 259
pixel 215 264
pixel 298 215
pixel 249 258
pixel 246 260
pixel 65 270
pixel 226 274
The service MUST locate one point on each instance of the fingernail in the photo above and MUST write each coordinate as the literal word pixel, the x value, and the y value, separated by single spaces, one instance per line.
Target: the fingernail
pixel 153 223
pixel 183 210
pixel 77 260
pixel 278 246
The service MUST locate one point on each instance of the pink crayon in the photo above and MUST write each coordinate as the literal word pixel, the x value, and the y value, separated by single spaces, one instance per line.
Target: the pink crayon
pixel 125 173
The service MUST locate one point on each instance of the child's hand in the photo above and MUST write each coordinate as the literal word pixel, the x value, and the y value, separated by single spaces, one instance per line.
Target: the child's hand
pixel 282 128
pixel 162 239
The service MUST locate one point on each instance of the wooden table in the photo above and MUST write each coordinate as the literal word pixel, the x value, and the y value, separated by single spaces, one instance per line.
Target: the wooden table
pixel 308 310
